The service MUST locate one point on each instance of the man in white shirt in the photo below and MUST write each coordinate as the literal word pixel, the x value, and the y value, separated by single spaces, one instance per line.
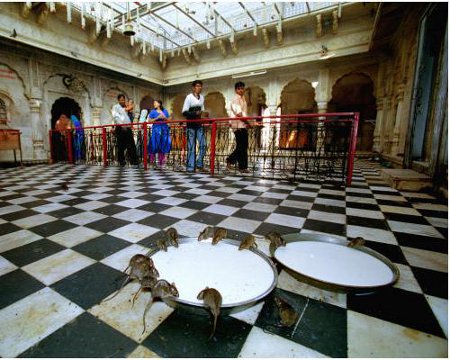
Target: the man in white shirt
pixel 193 108
pixel 124 132
pixel 238 109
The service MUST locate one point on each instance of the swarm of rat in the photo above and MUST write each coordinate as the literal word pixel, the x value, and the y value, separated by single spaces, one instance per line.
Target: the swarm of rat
pixel 142 268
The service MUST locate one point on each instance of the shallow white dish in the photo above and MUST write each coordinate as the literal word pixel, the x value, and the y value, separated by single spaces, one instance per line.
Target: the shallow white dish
pixel 242 277
pixel 328 260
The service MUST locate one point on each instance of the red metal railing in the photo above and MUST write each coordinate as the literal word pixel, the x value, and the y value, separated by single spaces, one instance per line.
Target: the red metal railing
pixel 291 145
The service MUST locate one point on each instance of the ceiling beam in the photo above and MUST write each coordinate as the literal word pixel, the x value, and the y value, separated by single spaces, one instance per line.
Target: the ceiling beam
pixel 175 27
pixel 248 13
pixel 193 19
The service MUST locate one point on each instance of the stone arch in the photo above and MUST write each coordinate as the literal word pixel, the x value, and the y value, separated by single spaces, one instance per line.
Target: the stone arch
pixel 354 92
pixel 5 108
pixel 177 106
pixel 297 97
pixel 64 105
pixel 109 100
pixel 215 105
pixel 72 83
pixel 12 70
pixel 256 100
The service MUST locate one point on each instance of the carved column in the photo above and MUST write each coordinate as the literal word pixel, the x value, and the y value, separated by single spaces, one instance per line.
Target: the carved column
pixel 37 137
pixel 398 120
pixel 96 114
pixel 377 135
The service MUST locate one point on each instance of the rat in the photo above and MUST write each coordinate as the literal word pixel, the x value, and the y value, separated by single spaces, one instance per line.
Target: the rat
pixel 147 283
pixel 248 242
pixel 219 234
pixel 139 265
pixel 64 187
pixel 172 236
pixel 356 242
pixel 162 244
pixel 160 290
pixel 288 316
pixel 212 300
pixel 275 240
pixel 208 232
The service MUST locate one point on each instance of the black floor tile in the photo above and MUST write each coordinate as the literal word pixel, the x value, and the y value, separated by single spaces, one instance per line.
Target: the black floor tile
pixel 155 207
pixel 358 194
pixel 7 228
pixel 392 252
pixel 306 199
pixel 107 224
pixel 114 199
pixel 233 203
pixel 433 213
pixel 358 205
pixel 406 218
pixel 65 212
pixel 185 196
pixel 78 286
pixel 325 227
pixel 84 337
pixel 37 250
pixel 322 327
pixel 17 215
pixel 16 285
pixel 422 242
pixel 53 227
pixel 111 209
pixel 432 282
pixel 206 218
pixel 367 222
pixel 443 231
pixel 196 205
pixel 245 192
pixel 285 210
pixel 329 208
pixel 267 200
pixel 158 221
pixel 76 201
pixel 250 214
pixel 264 228
pixel 101 247
pixel 331 197
pixel 190 333
pixel 398 306
pixel 35 203
pixel 394 203
pixel 150 197
pixel 12 197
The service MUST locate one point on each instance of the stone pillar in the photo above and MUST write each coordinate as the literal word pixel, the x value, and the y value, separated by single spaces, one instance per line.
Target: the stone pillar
pixel 395 150
pixel 96 114
pixel 37 138
pixel 377 133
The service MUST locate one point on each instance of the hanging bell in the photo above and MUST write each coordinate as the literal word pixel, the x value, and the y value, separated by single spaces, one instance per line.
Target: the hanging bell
pixel 128 29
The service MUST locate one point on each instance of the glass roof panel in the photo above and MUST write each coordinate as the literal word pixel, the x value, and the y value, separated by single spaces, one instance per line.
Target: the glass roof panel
pixel 173 25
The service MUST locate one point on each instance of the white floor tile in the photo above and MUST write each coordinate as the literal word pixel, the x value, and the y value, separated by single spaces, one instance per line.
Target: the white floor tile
pixel 285 220
pixel 16 239
pixel 58 266
pixel 133 215
pixel 372 234
pixel 263 345
pixel 6 266
pixel 369 337
pixel 31 319
pixel 418 229
pixel 440 310
pixel 220 209
pixel 35 220
pixel 134 232
pixel 262 207
pixel 75 236
pixel 234 223
pixel 426 259
pixel 178 212
pixel 326 216
pixel 85 217
pixel 399 210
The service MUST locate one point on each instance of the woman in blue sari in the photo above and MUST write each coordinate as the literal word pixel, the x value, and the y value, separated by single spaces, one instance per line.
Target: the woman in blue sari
pixel 159 142
pixel 78 138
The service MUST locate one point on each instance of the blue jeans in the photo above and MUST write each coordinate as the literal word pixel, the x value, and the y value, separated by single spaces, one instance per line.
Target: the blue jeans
pixel 193 136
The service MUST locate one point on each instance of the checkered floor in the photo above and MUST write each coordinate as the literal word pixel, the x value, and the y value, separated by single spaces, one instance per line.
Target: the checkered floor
pixel 62 252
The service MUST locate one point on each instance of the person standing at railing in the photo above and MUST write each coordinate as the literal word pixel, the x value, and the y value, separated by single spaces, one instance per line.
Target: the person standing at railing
pixel 238 109
pixel 159 142
pixel 124 132
pixel 59 138
pixel 78 138
pixel 194 108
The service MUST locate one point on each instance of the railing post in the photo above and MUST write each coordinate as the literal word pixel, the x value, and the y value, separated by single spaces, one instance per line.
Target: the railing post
pixel 145 141
pixel 69 147
pixel 105 147
pixel 352 149
pixel 212 156
pixel 50 133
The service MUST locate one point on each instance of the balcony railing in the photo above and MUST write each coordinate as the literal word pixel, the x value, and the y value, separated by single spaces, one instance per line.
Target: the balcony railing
pixel 304 146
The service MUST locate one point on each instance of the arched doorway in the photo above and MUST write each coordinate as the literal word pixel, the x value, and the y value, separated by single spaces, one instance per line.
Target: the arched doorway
pixel 354 93
pixel 65 105
pixel 297 97
pixel 145 106
pixel 215 104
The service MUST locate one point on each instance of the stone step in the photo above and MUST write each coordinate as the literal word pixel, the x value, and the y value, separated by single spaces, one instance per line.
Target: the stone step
pixel 406 179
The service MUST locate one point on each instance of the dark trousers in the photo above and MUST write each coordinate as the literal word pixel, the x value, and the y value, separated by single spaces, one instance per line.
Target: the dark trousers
pixel 125 140
pixel 239 154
